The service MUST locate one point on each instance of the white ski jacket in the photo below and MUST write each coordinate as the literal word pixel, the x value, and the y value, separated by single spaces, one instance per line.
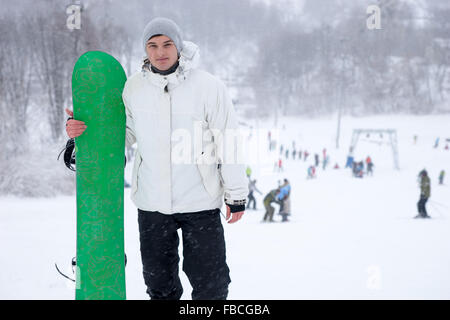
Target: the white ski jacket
pixel 177 121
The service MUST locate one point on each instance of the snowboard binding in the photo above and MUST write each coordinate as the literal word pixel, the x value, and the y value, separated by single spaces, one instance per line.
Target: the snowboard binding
pixel 74 264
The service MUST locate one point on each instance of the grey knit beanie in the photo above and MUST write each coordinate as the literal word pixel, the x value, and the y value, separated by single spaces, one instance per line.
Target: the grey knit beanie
pixel 165 27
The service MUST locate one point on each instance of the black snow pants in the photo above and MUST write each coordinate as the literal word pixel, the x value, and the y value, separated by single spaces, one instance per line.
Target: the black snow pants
pixel 421 207
pixel 251 198
pixel 203 253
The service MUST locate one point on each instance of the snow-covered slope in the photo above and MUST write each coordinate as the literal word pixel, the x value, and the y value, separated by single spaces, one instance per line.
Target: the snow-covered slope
pixel 347 238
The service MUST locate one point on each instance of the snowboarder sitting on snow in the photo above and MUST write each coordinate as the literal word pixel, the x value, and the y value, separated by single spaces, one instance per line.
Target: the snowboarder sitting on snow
pixel 284 198
pixel 425 190
pixel 251 198
pixel 163 97
pixel 268 200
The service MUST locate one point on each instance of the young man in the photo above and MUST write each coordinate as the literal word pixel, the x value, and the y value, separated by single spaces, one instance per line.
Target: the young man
pixel 168 104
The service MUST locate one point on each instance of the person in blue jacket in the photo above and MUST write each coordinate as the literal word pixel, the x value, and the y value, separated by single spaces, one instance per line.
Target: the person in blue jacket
pixel 285 202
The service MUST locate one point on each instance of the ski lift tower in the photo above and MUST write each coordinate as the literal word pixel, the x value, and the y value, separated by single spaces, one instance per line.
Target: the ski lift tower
pixel 392 133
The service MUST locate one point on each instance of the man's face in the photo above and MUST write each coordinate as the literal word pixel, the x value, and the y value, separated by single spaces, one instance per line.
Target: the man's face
pixel 161 52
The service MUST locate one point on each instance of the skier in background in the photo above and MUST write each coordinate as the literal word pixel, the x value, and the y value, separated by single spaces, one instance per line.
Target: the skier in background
pixel 306 154
pixel 441 177
pixel 284 198
pixel 248 172
pixel 436 143
pixel 358 169
pixel 350 162
pixel 311 172
pixel 350 159
pixel 268 200
pixel 325 162
pixel 251 198
pixel 316 159
pixel 425 191
pixel 354 168
pixel 369 164
pixel 280 165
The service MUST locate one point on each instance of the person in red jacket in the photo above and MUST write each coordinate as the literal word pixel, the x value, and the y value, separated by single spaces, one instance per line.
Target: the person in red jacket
pixel 369 165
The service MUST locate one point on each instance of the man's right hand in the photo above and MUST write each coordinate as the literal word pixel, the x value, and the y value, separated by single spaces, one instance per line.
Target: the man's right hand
pixel 74 128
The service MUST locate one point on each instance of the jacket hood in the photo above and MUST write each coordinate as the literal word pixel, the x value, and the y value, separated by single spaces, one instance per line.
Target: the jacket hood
pixel 189 56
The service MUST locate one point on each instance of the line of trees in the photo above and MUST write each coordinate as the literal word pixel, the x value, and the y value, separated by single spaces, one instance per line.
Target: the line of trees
pixel 402 68
pixel 37 55
pixel 307 60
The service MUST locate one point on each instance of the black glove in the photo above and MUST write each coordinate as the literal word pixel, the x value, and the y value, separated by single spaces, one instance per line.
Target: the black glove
pixel 69 154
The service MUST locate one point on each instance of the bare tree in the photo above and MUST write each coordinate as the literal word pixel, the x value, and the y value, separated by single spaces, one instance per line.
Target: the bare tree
pixel 15 83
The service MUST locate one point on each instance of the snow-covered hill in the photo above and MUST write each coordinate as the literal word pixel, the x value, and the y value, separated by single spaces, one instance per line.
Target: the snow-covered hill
pixel 347 238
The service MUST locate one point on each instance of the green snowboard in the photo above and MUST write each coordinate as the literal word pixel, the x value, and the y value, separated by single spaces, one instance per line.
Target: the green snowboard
pixel 97 84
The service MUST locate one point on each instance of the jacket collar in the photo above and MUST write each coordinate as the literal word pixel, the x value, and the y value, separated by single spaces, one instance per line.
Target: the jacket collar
pixel 166 72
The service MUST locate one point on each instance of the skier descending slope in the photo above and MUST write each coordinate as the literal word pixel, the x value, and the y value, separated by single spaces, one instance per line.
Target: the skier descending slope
pixel 169 94
pixel 424 194
pixel 268 199
pixel 251 198
pixel 441 177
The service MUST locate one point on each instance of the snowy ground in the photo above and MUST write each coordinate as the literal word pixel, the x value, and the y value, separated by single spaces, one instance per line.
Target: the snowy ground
pixel 348 238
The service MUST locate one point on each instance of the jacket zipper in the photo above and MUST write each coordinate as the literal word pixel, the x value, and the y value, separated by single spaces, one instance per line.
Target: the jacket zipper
pixel 166 93
pixel 137 172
